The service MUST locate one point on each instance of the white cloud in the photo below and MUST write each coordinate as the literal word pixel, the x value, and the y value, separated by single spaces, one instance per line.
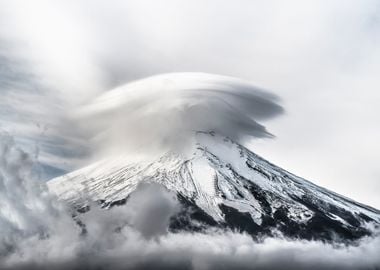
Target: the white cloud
pixel 165 111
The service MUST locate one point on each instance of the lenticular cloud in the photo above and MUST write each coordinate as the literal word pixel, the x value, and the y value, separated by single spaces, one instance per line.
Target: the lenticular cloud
pixel 163 110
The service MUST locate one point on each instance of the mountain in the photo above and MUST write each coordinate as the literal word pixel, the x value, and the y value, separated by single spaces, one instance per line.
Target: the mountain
pixel 223 184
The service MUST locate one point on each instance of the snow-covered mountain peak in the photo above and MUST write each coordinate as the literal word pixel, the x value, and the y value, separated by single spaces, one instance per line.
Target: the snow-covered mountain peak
pixel 227 183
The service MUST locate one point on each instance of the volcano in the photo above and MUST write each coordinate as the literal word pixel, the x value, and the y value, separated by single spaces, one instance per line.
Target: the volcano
pixel 221 184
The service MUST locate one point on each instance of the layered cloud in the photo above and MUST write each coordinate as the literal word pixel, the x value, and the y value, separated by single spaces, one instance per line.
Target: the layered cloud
pixel 165 110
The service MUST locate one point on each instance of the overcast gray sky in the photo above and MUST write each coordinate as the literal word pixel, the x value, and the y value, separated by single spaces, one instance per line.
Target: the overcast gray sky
pixel 322 58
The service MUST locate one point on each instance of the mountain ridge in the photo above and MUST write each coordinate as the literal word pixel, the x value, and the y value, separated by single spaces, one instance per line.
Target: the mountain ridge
pixel 225 184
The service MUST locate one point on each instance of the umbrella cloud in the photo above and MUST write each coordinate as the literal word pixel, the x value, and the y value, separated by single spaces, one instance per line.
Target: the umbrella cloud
pixel 163 110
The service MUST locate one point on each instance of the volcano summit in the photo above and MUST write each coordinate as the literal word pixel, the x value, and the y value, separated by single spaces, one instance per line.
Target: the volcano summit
pixel 220 183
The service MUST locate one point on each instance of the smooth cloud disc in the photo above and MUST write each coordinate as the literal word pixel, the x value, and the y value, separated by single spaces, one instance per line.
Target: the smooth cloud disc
pixel 164 110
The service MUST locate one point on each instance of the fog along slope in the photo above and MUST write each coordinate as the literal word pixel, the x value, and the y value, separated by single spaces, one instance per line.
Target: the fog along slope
pixel 223 184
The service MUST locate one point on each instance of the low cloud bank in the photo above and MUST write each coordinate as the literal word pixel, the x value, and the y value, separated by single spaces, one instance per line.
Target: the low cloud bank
pixel 38 232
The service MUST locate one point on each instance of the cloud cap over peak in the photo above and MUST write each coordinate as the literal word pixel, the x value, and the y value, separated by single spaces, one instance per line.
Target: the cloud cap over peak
pixel 163 110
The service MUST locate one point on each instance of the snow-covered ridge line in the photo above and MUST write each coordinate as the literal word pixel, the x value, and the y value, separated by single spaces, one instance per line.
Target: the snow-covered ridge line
pixel 219 173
